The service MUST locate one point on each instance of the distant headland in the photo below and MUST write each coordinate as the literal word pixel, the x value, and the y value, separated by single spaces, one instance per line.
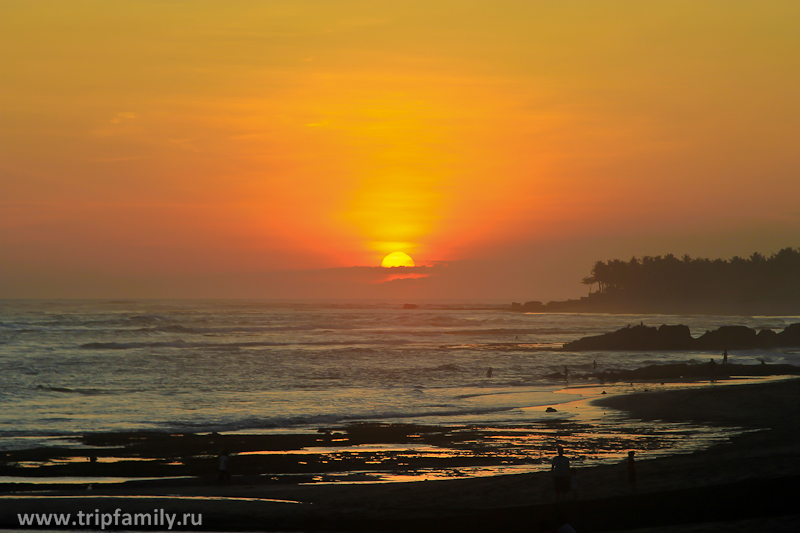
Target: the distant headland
pixel 758 285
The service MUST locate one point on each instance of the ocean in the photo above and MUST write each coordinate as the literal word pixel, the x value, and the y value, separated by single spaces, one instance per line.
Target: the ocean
pixel 72 367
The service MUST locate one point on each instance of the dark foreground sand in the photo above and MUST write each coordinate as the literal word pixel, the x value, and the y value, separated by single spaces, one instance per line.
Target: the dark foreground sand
pixel 750 483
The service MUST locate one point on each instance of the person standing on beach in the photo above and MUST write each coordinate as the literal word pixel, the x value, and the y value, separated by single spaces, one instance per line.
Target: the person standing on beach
pixel 725 357
pixel 566 373
pixel 631 470
pixel 560 471
pixel 224 472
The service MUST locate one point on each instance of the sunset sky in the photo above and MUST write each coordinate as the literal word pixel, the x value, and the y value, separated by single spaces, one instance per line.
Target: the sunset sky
pixel 263 148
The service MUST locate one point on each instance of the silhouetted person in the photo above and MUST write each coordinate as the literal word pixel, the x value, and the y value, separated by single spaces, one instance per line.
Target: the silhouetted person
pixel 489 372
pixel 631 470
pixel 224 471
pixel 594 365
pixel 566 373
pixel 560 470
pixel 724 357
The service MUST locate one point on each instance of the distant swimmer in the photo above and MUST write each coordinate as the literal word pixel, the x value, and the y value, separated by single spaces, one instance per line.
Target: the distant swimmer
pixel 489 372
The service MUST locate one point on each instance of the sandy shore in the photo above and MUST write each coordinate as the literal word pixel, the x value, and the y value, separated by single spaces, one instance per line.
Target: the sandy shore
pixel 750 479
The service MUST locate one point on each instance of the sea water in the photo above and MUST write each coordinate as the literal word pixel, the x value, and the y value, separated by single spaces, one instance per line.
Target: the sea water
pixel 73 367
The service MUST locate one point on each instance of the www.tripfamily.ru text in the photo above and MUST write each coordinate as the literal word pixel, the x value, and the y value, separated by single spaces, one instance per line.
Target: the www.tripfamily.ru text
pixel 103 520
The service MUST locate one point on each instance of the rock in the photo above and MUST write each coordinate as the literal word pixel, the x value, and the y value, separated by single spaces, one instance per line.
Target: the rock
pixel 640 337
pixel 767 338
pixel 706 371
pixel 550 410
pixel 528 307
pixel 790 336
pixel 678 337
pixel 727 338
pixel 675 337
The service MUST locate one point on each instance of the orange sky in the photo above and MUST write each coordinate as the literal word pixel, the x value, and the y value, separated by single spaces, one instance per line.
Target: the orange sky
pixel 519 141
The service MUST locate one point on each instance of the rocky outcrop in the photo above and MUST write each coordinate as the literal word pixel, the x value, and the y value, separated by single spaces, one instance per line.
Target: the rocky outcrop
pixel 679 337
pixel 681 371
pixel 528 307
pixel 790 336
pixel 735 337
pixel 637 338
pixel 702 370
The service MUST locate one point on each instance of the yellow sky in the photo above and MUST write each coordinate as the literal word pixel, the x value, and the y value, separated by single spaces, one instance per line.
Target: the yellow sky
pixel 167 137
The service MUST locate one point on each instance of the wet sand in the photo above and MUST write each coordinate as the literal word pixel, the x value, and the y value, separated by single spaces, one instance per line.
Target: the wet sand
pixel 750 478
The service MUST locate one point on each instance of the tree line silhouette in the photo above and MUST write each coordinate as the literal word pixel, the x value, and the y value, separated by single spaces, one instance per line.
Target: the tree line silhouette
pixel 754 283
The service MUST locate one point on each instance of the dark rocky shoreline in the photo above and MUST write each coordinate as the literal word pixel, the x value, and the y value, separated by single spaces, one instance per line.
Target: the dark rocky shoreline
pixel 679 337
pixel 684 372
pixel 287 458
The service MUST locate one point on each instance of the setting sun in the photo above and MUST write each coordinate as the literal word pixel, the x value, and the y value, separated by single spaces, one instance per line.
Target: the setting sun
pixel 397 259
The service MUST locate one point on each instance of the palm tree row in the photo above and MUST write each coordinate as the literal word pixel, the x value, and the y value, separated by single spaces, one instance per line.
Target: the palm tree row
pixel 668 278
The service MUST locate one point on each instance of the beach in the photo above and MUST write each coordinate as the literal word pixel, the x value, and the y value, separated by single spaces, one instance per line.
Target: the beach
pixel 752 476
